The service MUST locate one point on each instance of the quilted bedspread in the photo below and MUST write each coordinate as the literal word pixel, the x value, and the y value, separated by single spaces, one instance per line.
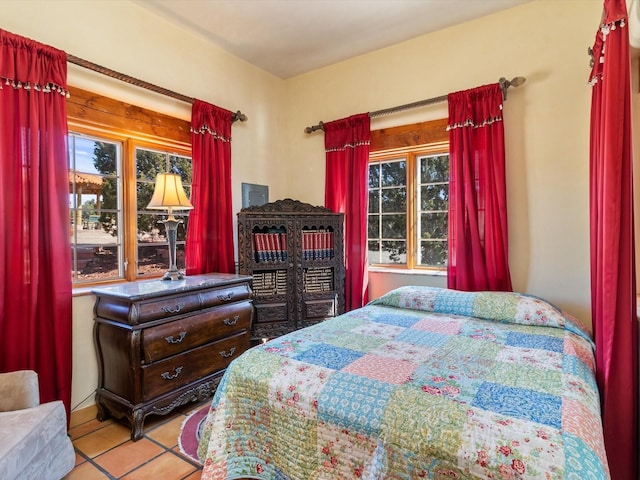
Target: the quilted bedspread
pixel 421 383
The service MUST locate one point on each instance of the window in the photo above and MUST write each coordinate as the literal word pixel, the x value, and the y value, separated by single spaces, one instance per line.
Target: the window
pixel 409 197
pixel 111 180
pixel 95 203
pixel 408 210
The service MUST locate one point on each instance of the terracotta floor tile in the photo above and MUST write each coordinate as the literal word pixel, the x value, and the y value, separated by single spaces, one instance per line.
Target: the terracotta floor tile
pixel 168 432
pixel 95 443
pixel 87 427
pixel 83 415
pixel 153 421
pixel 128 456
pixel 79 459
pixel 167 467
pixel 113 456
pixel 86 471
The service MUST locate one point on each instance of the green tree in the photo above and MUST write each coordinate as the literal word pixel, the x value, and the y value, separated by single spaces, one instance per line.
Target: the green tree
pixel 105 161
pixel 388 207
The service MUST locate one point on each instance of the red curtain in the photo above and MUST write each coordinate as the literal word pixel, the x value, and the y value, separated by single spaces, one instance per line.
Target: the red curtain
pixel 346 190
pixel 35 247
pixel 613 288
pixel 209 245
pixel 478 249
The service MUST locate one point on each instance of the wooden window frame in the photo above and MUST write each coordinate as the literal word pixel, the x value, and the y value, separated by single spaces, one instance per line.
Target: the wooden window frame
pixel 411 142
pixel 134 127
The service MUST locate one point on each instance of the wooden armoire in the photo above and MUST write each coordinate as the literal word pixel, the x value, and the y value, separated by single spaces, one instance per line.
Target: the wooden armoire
pixel 294 252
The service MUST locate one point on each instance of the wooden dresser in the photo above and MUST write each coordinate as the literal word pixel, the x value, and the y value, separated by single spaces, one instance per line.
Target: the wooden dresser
pixel 162 344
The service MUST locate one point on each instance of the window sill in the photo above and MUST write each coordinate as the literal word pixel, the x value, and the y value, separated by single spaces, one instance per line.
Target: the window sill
pixel 404 271
pixel 80 290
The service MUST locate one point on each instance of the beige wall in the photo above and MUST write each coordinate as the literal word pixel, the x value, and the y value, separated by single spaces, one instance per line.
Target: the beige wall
pixel 546 127
pixel 120 35
pixel 547 119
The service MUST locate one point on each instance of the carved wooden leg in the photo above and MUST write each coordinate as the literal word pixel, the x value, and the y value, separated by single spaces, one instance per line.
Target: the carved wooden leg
pixel 136 419
pixel 102 414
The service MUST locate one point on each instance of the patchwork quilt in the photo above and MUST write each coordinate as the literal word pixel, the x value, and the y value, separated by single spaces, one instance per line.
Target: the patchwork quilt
pixel 421 383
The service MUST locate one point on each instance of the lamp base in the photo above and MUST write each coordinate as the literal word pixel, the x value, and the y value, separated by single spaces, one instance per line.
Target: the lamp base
pixel 176 275
pixel 171 226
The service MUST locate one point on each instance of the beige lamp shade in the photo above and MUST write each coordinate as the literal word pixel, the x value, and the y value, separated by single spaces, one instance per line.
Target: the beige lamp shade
pixel 169 194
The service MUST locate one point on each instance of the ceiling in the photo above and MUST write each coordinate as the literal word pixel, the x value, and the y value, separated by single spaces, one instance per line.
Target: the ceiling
pixel 291 37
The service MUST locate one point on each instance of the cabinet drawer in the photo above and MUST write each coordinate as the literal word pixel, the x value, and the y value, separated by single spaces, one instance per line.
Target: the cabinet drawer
pixel 317 309
pixel 195 330
pixel 271 312
pixel 175 372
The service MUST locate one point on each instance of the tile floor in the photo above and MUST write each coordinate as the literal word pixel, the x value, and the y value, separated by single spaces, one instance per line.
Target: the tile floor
pixel 104 450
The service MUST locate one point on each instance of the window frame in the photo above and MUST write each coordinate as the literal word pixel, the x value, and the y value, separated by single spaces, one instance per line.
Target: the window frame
pixel 411 157
pixel 411 142
pixel 95 116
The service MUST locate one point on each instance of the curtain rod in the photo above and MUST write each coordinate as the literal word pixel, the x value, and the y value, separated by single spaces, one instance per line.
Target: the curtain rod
pixel 141 83
pixel 504 84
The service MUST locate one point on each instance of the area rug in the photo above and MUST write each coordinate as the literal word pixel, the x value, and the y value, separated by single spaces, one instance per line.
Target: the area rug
pixel 191 431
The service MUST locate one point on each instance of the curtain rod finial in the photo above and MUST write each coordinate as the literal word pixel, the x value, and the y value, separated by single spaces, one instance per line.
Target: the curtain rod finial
pixel 504 84
pixel 239 116
pixel 312 129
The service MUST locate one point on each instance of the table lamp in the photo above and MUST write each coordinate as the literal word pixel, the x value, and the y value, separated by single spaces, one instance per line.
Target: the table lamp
pixel 169 195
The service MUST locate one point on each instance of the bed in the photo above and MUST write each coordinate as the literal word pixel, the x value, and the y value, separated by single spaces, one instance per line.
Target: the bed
pixel 420 383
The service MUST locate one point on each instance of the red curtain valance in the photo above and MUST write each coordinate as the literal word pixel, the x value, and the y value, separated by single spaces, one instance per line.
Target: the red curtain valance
pixel 346 133
pixel 475 108
pixel 207 118
pixel 28 64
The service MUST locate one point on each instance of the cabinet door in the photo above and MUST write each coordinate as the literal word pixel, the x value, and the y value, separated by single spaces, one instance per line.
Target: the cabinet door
pixel 271 251
pixel 320 260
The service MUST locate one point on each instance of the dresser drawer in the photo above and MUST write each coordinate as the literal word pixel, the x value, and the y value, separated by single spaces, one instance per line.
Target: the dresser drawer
pixel 154 309
pixel 195 330
pixel 178 305
pixel 223 295
pixel 175 372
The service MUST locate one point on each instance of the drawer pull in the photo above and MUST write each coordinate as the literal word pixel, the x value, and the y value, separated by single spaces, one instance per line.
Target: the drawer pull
pixel 229 353
pixel 174 310
pixel 168 376
pixel 225 297
pixel 230 322
pixel 170 338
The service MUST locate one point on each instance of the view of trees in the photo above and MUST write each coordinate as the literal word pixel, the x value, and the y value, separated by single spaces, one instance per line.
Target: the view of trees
pixel 148 164
pixel 434 205
pixel 102 212
pixel 387 212
pixel 105 161
pixel 387 229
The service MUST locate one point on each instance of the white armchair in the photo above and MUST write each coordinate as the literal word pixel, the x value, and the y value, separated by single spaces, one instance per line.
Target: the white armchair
pixel 34 444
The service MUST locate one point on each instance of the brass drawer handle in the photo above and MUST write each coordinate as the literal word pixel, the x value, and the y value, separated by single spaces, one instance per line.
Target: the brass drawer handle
pixel 229 353
pixel 179 307
pixel 170 338
pixel 231 322
pixel 225 297
pixel 168 376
